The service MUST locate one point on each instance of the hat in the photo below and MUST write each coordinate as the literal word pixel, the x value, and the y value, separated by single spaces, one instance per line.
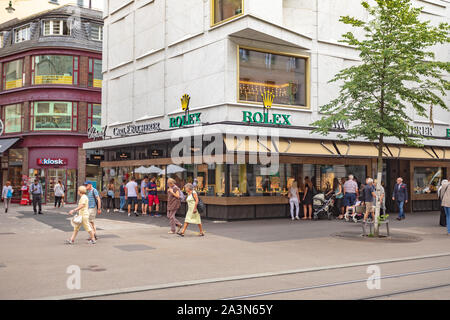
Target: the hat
pixel 88 182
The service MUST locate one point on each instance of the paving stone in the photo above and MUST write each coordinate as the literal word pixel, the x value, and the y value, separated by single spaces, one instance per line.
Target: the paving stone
pixel 134 247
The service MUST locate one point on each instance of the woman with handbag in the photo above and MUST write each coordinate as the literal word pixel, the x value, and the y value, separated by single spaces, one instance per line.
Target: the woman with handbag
pixel 192 215
pixel 82 219
pixel 110 196
pixel 7 193
pixel 59 193
pixel 173 204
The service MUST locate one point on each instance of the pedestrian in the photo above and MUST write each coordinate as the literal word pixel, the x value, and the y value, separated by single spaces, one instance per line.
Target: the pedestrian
pixel 400 195
pixel 83 205
pixel 111 192
pixel 442 218
pixel 59 193
pixel 339 194
pixel 294 200
pixel 350 192
pixel 307 199
pixel 173 204
pixel 152 190
pixel 94 205
pixel 192 215
pixel 37 192
pixel 369 198
pixel 382 199
pixel 144 195
pixel 122 195
pixel 131 192
pixel 7 193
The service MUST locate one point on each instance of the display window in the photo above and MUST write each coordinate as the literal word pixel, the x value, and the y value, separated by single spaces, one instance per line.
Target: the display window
pixel 13 74
pixel 13 118
pixel 286 76
pixel 15 163
pixel 224 10
pixel 427 179
pixel 48 179
pixel 55 69
pixel 48 115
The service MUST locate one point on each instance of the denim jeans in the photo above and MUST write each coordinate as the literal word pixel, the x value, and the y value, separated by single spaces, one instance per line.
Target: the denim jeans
pixel 447 215
pixel 401 213
pixel 122 202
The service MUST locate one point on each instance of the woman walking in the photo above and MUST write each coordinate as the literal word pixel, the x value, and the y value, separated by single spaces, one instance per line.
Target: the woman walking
pixel 442 218
pixel 173 204
pixel 294 200
pixel 7 193
pixel 59 193
pixel 111 191
pixel 445 198
pixel 339 193
pixel 83 206
pixel 192 215
pixel 307 199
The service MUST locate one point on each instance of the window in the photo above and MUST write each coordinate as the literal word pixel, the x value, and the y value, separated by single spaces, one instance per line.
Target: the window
pixel 55 69
pixel 13 118
pixel 97 32
pixel 13 74
pixel 22 34
pixel 94 118
pixel 2 37
pixel 283 75
pixel 58 115
pixel 95 76
pixel 223 10
pixel 56 27
pixel 427 179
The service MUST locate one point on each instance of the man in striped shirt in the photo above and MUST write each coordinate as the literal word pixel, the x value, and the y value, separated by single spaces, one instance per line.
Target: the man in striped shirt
pixel 350 191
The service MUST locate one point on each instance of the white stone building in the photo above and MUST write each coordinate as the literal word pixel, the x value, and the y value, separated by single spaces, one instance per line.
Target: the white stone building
pixel 224 54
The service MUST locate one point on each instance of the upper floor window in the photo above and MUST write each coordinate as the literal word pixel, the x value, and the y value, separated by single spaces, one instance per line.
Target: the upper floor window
pixel 55 69
pixel 2 37
pixel 94 118
pixel 223 10
pixel 285 76
pixel 95 76
pixel 97 32
pixel 22 34
pixel 13 74
pixel 13 118
pixel 56 27
pixel 58 115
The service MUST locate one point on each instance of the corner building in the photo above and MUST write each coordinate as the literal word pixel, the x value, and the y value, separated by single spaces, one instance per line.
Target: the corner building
pixel 50 93
pixel 225 54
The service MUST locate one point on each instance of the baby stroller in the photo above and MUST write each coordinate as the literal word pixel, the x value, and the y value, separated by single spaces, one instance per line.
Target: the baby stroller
pixel 323 205
pixel 355 212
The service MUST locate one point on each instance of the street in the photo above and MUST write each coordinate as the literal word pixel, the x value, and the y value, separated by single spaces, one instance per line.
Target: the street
pixel 135 258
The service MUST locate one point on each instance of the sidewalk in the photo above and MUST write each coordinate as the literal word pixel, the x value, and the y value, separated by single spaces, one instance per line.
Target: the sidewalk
pixel 136 251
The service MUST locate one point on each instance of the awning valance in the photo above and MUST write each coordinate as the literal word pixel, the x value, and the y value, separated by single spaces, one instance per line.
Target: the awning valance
pixel 5 144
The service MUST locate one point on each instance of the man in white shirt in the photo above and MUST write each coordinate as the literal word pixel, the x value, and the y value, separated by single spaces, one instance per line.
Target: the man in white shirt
pixel 131 192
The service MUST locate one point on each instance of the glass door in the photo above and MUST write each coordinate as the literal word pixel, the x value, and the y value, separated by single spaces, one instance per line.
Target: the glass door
pixel 53 175
pixel 71 186
pixel 40 174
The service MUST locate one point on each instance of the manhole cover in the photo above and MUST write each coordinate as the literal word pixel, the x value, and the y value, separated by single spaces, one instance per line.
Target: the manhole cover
pixel 134 247
pixel 106 236
pixel 6 233
pixel 393 238
pixel 2 265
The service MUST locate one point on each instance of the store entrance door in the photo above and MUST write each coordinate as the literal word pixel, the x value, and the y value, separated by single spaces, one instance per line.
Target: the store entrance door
pixel 49 177
pixel 53 175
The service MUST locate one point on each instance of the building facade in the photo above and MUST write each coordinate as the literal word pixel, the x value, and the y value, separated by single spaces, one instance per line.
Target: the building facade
pixel 50 93
pixel 225 55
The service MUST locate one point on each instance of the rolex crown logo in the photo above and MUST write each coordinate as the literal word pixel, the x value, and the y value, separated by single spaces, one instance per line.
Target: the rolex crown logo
pixel 185 102
pixel 267 98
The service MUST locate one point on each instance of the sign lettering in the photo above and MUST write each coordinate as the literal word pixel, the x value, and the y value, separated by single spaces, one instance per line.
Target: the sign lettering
pixel 51 161
pixel 258 117
pixel 181 121
pixel 136 129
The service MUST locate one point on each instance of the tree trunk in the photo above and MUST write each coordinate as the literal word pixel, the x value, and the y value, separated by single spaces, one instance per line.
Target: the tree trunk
pixel 378 190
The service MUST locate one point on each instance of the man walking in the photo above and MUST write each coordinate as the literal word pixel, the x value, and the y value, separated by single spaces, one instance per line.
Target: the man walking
pixel 36 192
pixel 95 205
pixel 122 195
pixel 131 192
pixel 369 198
pixel 144 194
pixel 350 191
pixel 400 195
pixel 153 196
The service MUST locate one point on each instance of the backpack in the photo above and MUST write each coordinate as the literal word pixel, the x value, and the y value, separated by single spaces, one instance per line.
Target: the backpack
pixel 9 193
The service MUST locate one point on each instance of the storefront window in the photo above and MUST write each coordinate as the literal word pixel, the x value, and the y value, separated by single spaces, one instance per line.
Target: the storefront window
pixel 15 163
pixel 285 76
pixel 13 74
pixel 53 116
pixel 226 9
pixel 427 179
pixel 55 69
pixel 13 118
pixel 95 76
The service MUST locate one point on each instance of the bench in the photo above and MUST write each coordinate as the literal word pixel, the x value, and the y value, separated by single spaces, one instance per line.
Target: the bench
pixel 371 227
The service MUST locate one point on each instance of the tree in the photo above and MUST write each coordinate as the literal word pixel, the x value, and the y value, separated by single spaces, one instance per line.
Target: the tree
pixel 396 73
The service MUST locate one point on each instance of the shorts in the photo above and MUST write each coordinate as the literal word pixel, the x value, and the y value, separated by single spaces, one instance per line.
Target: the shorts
pixel 349 199
pixel 144 200
pixel 92 214
pixel 369 207
pixel 85 223
pixel 132 201
pixel 153 199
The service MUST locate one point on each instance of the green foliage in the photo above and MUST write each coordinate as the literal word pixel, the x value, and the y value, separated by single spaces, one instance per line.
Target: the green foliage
pixel 382 218
pixel 396 72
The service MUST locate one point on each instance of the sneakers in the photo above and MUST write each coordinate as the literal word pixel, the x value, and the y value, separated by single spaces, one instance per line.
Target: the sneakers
pixel 92 242
pixel 292 219
pixel 136 214
pixel 69 242
pixel 157 215
pixel 107 211
pixel 116 210
pixel 297 218
pixel 129 214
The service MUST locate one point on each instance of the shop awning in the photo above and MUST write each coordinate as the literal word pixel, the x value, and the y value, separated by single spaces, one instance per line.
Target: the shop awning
pixel 5 144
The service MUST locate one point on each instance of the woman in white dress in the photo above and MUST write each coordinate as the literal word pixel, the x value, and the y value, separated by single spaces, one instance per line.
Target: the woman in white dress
pixel 192 215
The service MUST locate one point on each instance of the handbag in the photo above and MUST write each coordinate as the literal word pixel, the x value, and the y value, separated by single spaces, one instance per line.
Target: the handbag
pixel 200 206
pixel 110 193
pixel 78 219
